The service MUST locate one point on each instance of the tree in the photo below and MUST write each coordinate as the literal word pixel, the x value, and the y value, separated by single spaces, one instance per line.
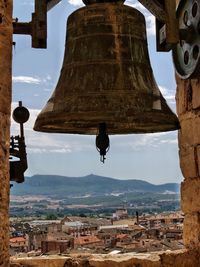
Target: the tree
pixel 51 216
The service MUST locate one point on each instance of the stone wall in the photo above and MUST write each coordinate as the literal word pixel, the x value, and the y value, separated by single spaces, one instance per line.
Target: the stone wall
pixel 188 108
pixel 182 258
pixel 5 103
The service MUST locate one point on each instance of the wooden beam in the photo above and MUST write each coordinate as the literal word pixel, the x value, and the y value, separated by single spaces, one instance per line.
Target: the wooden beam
pixel 172 29
pixel 22 28
pixel 39 24
pixel 156 8
pixel 167 33
pixel 37 28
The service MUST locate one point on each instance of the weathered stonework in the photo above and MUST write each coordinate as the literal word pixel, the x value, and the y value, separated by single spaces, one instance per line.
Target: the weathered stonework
pixel 188 108
pixel 195 94
pixel 190 128
pixel 191 234
pixel 181 97
pixel 5 104
pixel 198 158
pixel 180 258
pixel 190 192
pixel 188 163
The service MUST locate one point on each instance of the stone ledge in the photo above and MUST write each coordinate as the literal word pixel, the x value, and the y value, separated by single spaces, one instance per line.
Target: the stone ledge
pixel 179 258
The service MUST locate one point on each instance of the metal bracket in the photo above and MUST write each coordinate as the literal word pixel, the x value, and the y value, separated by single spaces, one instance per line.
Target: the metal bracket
pixel 178 29
pixel 164 10
pixel 18 147
pixel 37 28
pixel 167 33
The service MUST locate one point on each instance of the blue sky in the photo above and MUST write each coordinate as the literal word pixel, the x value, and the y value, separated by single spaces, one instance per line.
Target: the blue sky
pixel 151 157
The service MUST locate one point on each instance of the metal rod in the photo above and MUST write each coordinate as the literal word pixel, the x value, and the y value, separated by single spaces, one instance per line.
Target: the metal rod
pixel 21 124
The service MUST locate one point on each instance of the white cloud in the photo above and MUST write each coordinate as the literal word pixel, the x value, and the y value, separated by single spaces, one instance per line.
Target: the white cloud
pixel 151 28
pixel 36 150
pixel 139 142
pixel 39 142
pixel 47 79
pixel 32 80
pixel 168 94
pixel 62 150
pixel 167 141
pixel 153 140
pixel 26 79
pixel 47 150
pixel 27 2
pixel 76 2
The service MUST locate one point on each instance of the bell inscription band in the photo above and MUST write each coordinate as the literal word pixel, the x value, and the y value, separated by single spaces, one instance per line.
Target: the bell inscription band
pixel 106 77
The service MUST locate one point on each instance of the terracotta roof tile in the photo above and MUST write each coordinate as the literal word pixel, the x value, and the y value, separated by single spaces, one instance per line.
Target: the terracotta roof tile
pixel 17 239
pixel 83 240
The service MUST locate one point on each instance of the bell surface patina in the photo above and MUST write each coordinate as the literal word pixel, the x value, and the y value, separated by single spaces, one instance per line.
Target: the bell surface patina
pixel 106 77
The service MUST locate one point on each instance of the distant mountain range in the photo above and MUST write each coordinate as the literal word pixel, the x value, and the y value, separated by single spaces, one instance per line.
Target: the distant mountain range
pixel 92 185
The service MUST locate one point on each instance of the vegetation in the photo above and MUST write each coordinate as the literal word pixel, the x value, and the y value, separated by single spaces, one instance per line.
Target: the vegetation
pixel 90 196
pixel 51 216
pixel 92 185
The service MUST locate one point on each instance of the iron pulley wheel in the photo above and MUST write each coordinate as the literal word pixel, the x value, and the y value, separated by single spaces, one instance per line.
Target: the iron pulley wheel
pixel 186 54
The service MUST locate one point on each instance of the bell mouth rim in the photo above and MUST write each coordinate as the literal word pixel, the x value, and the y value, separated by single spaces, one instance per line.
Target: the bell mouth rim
pixel 94 131
pixel 147 123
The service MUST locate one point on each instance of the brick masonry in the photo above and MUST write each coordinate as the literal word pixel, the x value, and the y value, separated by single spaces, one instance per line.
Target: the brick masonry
pixel 5 104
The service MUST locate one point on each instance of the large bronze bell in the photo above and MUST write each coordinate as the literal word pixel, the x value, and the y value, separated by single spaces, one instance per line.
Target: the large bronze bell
pixel 106 77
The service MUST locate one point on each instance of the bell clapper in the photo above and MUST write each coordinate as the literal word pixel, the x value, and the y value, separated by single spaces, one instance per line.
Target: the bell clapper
pixel 102 141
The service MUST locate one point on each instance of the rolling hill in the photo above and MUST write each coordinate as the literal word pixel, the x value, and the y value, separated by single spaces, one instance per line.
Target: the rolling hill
pixel 93 185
